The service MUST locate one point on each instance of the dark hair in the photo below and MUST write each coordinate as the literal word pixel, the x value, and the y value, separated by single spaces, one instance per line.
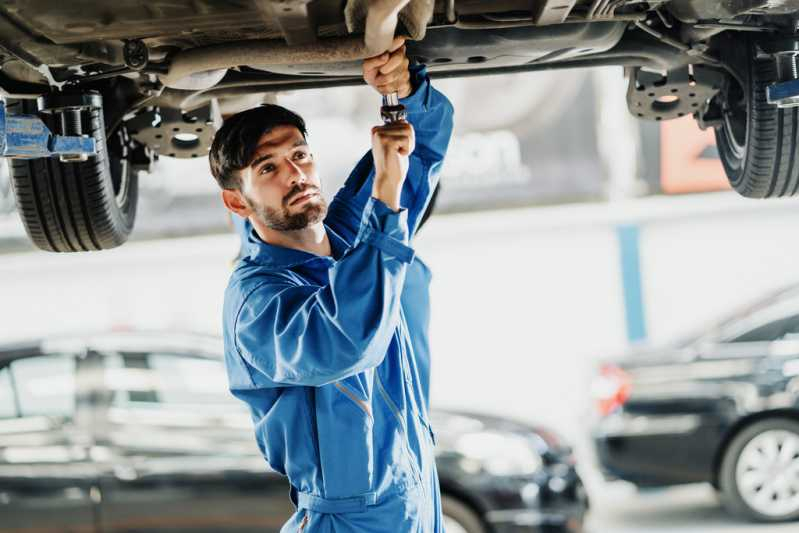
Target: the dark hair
pixel 235 143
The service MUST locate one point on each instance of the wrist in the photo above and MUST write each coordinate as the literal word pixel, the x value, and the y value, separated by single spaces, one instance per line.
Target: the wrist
pixel 387 192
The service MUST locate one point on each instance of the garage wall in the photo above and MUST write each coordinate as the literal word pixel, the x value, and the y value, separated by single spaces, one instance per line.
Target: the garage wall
pixel 526 303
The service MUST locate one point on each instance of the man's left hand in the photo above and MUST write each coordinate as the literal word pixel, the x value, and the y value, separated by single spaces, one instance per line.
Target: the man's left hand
pixel 388 72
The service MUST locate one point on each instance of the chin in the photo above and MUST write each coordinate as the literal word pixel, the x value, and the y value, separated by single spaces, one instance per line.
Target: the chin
pixel 315 211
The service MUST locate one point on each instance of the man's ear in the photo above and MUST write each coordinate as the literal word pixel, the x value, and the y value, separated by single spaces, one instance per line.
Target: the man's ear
pixel 235 202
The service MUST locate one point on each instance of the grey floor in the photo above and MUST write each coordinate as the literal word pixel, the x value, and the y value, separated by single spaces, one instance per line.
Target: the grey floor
pixel 619 508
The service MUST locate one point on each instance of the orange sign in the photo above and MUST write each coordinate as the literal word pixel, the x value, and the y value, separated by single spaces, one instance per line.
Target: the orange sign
pixel 688 159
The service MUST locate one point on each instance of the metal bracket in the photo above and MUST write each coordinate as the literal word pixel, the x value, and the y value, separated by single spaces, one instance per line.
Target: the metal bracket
pixel 172 133
pixel 783 95
pixel 552 11
pixel 784 50
pixel 682 91
pixel 27 137
pixel 295 18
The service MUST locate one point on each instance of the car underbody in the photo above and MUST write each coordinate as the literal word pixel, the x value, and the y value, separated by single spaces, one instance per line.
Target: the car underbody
pixel 167 72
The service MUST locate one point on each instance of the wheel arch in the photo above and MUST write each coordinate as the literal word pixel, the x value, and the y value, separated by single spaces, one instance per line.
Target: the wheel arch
pixel 457 493
pixel 740 425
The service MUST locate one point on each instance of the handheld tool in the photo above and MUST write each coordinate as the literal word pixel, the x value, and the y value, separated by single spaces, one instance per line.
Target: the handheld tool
pixel 392 111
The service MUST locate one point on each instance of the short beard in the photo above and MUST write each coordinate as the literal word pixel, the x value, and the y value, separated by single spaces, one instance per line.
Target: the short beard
pixel 281 220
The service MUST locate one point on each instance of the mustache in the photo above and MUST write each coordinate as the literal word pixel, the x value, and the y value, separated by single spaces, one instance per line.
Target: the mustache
pixel 298 191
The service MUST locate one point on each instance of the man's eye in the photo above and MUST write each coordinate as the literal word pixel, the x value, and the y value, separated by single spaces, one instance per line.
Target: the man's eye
pixel 267 168
pixel 300 155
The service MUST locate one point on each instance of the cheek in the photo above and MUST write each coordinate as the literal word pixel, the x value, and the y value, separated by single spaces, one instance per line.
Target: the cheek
pixel 269 194
pixel 310 173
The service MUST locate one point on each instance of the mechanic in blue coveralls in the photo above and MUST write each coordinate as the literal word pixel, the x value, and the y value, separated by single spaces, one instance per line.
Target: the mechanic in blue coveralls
pixel 317 341
pixel 415 299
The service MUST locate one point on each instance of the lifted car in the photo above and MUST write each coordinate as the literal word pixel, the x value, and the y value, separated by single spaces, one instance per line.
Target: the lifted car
pixel 96 91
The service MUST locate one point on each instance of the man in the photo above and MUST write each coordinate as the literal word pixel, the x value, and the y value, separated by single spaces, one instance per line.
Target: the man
pixel 316 337
pixel 415 292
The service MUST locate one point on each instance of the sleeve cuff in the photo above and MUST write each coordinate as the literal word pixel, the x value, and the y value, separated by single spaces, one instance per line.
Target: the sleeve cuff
pixel 419 99
pixel 386 229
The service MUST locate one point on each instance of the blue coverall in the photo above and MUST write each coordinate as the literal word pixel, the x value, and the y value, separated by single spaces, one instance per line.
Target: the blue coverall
pixel 320 350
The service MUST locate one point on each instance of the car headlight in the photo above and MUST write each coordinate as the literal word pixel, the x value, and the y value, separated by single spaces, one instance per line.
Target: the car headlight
pixel 500 454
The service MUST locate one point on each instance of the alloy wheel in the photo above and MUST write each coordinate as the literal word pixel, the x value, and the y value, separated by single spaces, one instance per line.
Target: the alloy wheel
pixel 767 473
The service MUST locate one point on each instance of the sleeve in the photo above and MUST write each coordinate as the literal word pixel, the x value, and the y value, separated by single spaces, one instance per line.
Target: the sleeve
pixel 430 113
pixel 312 335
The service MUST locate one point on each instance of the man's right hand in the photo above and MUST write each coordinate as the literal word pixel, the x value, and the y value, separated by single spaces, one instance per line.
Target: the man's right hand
pixel 392 144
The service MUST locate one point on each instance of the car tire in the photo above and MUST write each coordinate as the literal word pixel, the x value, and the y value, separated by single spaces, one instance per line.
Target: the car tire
pixel 739 494
pixel 76 206
pixel 459 518
pixel 757 141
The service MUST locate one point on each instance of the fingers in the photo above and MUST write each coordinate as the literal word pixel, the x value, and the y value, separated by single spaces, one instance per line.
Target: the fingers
pixel 389 71
pixel 398 145
pixel 371 65
pixel 396 60
pixel 392 82
pixel 394 54
pixel 398 137
pixel 395 127
pixel 397 43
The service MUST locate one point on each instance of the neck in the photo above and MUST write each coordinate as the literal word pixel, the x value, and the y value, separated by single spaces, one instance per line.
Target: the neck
pixel 312 239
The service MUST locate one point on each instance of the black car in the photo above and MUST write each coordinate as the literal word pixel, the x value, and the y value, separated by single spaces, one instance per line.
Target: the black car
pixel 137 432
pixel 721 407
pixel 150 79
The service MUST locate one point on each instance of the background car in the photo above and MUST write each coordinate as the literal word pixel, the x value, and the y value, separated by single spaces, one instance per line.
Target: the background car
pixel 721 407
pixel 137 432
pixel 144 82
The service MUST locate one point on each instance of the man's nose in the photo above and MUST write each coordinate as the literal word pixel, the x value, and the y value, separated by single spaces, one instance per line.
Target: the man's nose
pixel 296 174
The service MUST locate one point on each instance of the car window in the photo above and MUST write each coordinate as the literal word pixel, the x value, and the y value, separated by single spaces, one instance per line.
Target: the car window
pixel 166 379
pixel 44 385
pixel 772 331
pixel 791 331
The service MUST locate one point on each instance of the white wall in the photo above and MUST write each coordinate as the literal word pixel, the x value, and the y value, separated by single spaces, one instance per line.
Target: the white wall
pixel 524 302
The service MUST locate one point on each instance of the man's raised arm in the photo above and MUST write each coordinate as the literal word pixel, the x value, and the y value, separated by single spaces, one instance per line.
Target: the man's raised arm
pixel 430 114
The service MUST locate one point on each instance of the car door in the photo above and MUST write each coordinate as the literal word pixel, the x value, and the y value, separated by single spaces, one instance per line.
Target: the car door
pixel 182 453
pixel 47 480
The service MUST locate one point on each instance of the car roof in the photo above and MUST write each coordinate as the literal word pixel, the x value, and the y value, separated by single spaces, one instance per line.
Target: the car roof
pixel 198 344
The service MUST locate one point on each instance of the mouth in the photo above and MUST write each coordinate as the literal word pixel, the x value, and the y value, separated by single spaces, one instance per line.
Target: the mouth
pixel 303 198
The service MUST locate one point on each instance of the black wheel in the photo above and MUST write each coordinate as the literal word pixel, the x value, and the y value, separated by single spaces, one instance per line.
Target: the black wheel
pixel 459 518
pixel 759 475
pixel 80 206
pixel 757 142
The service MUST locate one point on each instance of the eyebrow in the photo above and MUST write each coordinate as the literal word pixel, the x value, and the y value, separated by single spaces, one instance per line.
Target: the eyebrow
pixel 257 161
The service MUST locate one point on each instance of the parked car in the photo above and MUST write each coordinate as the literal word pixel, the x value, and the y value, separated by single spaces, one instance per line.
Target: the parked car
pixel 155 79
pixel 720 407
pixel 137 432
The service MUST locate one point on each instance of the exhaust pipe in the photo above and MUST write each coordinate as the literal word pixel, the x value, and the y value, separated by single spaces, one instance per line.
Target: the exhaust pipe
pixel 202 68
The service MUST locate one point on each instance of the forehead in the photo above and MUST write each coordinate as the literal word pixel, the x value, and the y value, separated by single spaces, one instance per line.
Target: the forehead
pixel 277 137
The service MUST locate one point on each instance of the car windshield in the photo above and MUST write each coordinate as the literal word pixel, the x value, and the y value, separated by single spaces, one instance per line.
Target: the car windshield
pixel 776 305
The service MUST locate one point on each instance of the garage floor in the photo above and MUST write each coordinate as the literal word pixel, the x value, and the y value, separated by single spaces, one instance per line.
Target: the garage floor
pixel 619 508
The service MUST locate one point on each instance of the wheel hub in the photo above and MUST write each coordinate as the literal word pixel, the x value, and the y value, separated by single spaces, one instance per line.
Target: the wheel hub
pixel 767 473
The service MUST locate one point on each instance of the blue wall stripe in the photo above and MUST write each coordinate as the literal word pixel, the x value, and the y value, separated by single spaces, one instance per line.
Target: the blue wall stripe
pixel 630 256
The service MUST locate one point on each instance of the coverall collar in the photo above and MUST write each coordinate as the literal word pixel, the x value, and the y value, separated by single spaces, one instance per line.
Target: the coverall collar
pixel 272 256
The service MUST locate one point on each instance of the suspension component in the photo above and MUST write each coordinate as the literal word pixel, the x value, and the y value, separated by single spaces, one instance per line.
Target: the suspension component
pixel 69 108
pixel 784 93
